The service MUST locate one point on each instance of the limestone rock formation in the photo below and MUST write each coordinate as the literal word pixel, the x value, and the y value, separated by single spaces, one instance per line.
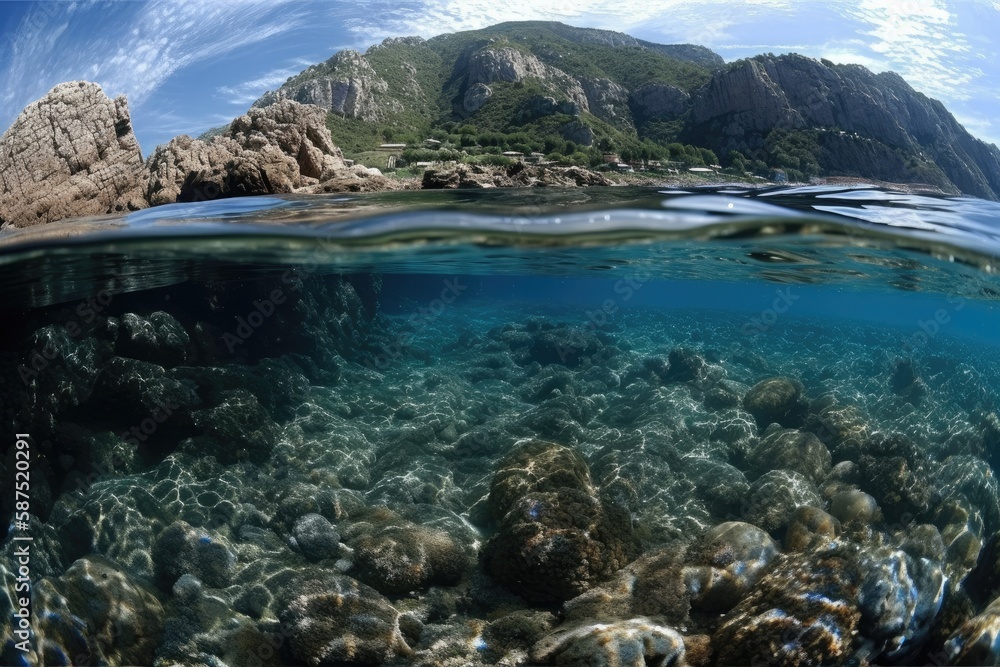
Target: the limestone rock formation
pixel 71 153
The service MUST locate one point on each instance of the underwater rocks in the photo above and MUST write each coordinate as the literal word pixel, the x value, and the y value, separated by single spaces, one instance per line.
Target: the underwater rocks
pixel 556 537
pixel 238 429
pixel 725 563
pixel 777 400
pixel 95 613
pixel 977 641
pixel 637 642
pixel 398 559
pixel 809 527
pixel 180 549
pixel 516 631
pixel 895 472
pixel 790 449
pixel 536 466
pixel 71 153
pixel 158 338
pixel 775 496
pixel 336 620
pixel 316 537
pixel 842 428
pixel 854 507
pixel 834 605
pixel 905 382
pixel 561 345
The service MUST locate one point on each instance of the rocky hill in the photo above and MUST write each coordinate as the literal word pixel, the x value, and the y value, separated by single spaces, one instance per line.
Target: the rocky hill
pixel 574 93
pixel 73 153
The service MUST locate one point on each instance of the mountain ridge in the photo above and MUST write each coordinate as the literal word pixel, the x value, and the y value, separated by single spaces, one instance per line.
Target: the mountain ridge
pixel 575 93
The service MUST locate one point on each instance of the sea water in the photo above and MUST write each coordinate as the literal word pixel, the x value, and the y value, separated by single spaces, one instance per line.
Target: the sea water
pixel 591 426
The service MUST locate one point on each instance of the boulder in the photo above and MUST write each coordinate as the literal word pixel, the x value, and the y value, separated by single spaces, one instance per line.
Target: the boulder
pixel 269 150
pixel 556 537
pixel 777 399
pixel 96 614
pixel 71 153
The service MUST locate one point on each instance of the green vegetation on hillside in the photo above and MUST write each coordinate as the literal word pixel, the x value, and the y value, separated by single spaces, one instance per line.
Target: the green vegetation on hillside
pixel 426 81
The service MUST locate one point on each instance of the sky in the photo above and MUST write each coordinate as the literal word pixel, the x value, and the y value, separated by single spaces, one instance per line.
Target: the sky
pixel 189 66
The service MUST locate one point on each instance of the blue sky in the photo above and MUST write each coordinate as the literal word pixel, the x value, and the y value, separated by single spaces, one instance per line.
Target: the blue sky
pixel 188 66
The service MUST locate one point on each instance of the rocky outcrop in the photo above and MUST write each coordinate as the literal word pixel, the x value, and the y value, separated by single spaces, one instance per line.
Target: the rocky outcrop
pixel 276 149
pixel 475 97
pixel 70 153
pixel 352 89
pixel 503 64
pixel 606 99
pixel 517 175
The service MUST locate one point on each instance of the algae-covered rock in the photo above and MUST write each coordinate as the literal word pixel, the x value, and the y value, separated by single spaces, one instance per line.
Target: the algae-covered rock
pixel 95 613
pixel 636 642
pixel 316 537
pixel 402 558
pixel 339 620
pixel 554 545
pixel 180 549
pixel 774 497
pixel 725 562
pixel 791 449
pixel 777 400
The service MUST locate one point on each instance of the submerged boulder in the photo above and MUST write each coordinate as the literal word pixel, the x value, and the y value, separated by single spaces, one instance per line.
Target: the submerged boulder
pixel 636 642
pixel 780 399
pixel 791 449
pixel 725 563
pixel 338 620
pixel 836 605
pixel 556 538
pixel 95 613
pixel 398 559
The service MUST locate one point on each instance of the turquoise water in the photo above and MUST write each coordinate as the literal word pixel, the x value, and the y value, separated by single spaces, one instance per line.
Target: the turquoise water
pixel 581 427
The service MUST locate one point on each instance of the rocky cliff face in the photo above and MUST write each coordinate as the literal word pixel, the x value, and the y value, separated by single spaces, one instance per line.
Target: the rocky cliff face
pixel 503 64
pixel 71 153
pixel 657 100
pixel 741 105
pixel 362 86
pixel 352 89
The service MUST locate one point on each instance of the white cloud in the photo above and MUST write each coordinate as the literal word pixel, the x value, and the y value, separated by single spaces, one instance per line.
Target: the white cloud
pixel 247 92
pixel 920 40
pixel 705 22
pixel 136 48
pixel 979 126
